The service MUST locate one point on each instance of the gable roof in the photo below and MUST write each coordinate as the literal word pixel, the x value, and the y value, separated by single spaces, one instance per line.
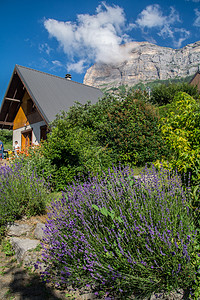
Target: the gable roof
pixel 51 94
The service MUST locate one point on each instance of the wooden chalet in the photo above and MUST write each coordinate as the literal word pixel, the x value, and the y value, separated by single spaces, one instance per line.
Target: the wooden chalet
pixel 33 99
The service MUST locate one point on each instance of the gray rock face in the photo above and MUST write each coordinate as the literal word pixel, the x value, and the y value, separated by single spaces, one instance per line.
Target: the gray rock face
pixel 18 229
pixel 39 231
pixel 21 246
pixel 146 62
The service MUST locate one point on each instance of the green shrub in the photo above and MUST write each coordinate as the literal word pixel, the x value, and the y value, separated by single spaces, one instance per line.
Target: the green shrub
pixel 90 138
pixel 6 136
pixel 163 94
pixel 181 132
pixel 74 152
pixel 133 134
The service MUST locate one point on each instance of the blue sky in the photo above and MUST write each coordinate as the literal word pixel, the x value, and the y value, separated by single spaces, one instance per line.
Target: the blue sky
pixel 62 36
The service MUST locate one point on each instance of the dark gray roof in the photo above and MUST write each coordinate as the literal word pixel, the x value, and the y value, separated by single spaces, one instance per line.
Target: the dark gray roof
pixel 53 94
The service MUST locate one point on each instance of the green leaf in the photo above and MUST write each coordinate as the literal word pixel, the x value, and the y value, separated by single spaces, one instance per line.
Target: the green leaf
pixel 95 207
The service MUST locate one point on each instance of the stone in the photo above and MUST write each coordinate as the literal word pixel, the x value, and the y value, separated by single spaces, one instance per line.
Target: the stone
pixel 88 296
pixel 145 62
pixel 39 231
pixel 18 229
pixel 174 295
pixel 21 246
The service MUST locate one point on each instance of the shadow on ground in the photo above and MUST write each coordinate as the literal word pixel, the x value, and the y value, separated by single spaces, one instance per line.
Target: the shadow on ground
pixel 30 287
pixel 17 283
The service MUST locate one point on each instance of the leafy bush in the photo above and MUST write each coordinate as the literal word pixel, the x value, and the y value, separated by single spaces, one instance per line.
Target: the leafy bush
pixel 6 135
pixel 73 152
pixel 132 132
pixel 121 235
pixel 22 193
pixel 163 94
pixel 90 138
pixel 181 131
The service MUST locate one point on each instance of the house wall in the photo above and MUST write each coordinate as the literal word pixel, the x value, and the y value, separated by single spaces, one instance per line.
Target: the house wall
pixel 35 132
pixel 24 117
pixel 27 118
pixel 196 81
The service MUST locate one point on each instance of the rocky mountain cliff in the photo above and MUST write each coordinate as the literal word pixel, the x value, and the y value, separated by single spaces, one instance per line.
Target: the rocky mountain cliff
pixel 146 62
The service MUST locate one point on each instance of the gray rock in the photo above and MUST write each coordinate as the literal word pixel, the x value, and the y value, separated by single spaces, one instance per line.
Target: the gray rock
pixel 18 229
pixel 145 62
pixel 21 246
pixel 39 231
pixel 88 296
pixel 174 295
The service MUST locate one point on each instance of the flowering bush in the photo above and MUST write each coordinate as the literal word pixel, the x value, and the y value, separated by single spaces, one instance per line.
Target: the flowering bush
pixel 121 235
pixel 33 160
pixel 22 193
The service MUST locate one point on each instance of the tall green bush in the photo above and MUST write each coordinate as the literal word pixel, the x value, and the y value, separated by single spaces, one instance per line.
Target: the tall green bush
pixel 163 94
pixel 90 138
pixel 6 136
pixel 181 132
pixel 132 132
pixel 74 151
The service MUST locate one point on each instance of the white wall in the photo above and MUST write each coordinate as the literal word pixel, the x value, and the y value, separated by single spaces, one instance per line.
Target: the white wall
pixel 35 133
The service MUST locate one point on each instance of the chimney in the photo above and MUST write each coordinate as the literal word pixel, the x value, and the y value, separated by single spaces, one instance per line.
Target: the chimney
pixel 68 76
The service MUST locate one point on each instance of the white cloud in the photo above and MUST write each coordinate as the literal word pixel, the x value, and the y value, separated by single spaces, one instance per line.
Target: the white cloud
pixel 93 37
pixel 152 17
pixel 197 21
pixel 183 34
pixel 45 48
pixel 78 67
pixel 57 63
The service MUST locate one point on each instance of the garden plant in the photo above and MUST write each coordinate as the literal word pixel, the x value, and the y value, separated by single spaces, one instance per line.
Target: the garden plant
pixel 22 193
pixel 109 232
pixel 122 236
pixel 90 138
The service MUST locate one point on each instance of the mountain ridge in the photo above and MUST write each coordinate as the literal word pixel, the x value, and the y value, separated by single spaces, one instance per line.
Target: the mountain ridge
pixel 146 62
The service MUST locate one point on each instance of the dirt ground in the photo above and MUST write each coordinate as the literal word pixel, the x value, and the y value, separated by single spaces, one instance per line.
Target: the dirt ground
pixel 18 283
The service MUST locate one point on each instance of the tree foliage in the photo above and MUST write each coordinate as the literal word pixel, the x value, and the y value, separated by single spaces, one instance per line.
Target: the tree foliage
pixel 90 138
pixel 163 94
pixel 182 133
pixel 132 132
pixel 6 135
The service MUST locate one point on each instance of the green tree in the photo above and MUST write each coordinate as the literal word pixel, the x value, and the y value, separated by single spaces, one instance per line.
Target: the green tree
pixel 132 132
pixel 182 134
pixel 74 151
pixel 6 135
pixel 163 94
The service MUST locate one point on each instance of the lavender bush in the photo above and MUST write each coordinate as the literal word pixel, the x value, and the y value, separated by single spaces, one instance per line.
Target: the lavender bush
pixel 22 193
pixel 121 235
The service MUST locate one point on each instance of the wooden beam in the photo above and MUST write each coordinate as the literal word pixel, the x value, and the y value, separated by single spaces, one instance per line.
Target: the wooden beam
pixel 6 123
pixel 12 99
